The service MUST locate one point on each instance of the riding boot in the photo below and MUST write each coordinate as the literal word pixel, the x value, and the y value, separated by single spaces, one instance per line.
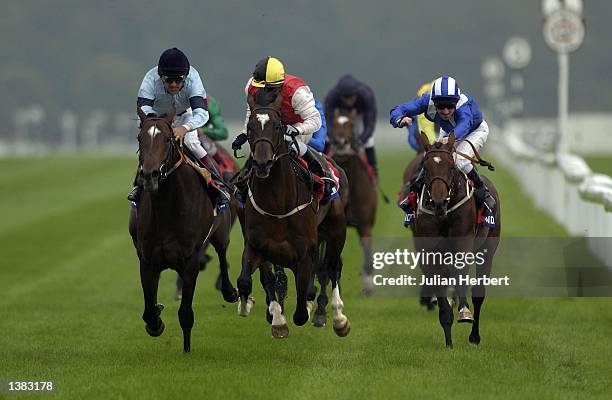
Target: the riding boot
pixel 219 195
pixel 315 167
pixel 241 185
pixel 134 195
pixel 481 192
pixel 409 194
pixel 371 157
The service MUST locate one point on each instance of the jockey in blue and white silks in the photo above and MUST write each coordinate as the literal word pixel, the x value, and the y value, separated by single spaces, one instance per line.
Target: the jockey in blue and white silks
pixel 175 86
pixel 452 111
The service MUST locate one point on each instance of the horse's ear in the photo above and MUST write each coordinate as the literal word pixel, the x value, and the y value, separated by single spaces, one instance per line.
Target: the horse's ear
pixel 451 139
pixel 251 101
pixel 170 115
pixel 141 115
pixel 423 141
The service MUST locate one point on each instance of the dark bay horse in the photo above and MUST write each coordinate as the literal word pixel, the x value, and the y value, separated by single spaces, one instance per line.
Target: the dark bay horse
pixel 173 220
pixel 446 221
pixel 283 224
pixel 227 171
pixel 361 213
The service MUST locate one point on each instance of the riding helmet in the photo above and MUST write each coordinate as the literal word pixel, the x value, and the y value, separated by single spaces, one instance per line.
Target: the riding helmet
pixel 173 62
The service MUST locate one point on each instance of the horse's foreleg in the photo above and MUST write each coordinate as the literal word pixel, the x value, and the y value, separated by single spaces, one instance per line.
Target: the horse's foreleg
pixel 275 316
pixel 185 312
pixel 227 289
pixel 268 283
pixel 250 259
pixel 365 240
pixel 478 296
pixel 445 314
pixel 281 285
pixel 149 278
pixel 320 317
pixel 302 280
pixel 342 325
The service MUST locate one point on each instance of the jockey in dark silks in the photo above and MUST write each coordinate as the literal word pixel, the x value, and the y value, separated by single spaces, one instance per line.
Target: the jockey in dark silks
pixel 348 94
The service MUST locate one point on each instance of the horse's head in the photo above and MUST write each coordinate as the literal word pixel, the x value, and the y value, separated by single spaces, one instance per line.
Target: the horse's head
pixel 157 149
pixel 265 131
pixel 342 131
pixel 440 171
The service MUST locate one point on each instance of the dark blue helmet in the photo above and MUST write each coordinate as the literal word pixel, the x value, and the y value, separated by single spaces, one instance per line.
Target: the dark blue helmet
pixel 173 62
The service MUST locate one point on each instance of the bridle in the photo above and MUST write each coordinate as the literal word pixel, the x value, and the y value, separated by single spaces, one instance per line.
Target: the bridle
pixel 172 148
pixel 279 130
pixel 449 185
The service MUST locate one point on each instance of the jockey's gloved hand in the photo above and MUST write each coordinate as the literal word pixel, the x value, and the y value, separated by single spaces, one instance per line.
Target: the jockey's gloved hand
pixel 292 131
pixel 239 141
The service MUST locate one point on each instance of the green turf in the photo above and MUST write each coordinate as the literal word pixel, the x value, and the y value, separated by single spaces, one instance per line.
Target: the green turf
pixel 71 305
pixel 600 164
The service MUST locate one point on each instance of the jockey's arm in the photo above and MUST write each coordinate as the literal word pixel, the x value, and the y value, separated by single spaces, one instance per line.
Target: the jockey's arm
pixel 463 117
pixel 197 102
pixel 146 94
pixel 410 109
pixel 303 104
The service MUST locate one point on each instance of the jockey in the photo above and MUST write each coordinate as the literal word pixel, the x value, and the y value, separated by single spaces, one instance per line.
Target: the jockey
pixel 348 94
pixel 174 84
pixel 299 114
pixel 422 123
pixel 213 131
pixel 455 112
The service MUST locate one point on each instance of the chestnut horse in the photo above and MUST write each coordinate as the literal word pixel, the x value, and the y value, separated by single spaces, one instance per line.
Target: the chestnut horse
pixel 361 213
pixel 446 222
pixel 283 224
pixel 174 218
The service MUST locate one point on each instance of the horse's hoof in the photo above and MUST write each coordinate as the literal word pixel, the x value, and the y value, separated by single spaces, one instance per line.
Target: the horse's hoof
pixel 367 285
pixel 155 332
pixel 465 316
pixel 474 340
pixel 231 296
pixel 244 309
pixel 300 318
pixel 280 331
pixel 319 320
pixel 344 330
pixel 449 346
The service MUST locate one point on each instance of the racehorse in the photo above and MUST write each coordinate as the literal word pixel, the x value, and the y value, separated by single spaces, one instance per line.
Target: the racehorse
pixel 283 224
pixel 447 221
pixel 228 168
pixel 361 214
pixel 174 218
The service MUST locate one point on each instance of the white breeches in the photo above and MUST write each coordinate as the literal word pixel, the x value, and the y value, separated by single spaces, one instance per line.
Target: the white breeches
pixel 191 139
pixel 478 138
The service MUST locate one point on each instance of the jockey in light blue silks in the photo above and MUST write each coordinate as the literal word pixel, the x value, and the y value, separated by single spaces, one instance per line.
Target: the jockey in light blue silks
pixel 452 111
pixel 175 86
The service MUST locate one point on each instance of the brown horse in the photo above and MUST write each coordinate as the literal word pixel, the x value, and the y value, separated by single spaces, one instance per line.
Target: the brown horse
pixel 283 224
pixel 227 171
pixel 173 220
pixel 446 221
pixel 361 213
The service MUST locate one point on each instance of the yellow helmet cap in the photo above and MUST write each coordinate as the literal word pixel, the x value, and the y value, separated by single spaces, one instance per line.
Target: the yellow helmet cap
pixel 426 87
pixel 268 72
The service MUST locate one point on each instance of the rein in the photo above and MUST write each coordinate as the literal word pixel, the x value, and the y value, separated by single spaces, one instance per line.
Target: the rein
pixel 173 146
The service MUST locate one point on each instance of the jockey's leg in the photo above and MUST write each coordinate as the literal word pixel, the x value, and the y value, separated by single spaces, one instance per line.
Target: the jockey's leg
pixel 478 139
pixel 211 148
pixel 134 195
pixel 216 187
pixel 371 155
pixel 412 188
pixel 313 165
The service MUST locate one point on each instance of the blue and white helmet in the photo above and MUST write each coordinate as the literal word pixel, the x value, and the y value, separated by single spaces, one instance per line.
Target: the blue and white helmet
pixel 445 88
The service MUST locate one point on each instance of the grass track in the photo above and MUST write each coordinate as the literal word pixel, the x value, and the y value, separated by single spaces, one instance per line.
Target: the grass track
pixel 71 305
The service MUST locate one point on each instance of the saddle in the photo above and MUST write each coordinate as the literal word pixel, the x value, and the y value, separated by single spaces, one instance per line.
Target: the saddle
pixel 330 173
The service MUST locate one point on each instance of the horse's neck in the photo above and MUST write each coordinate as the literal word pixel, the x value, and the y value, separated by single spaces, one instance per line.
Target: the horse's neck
pixel 459 182
pixel 280 188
